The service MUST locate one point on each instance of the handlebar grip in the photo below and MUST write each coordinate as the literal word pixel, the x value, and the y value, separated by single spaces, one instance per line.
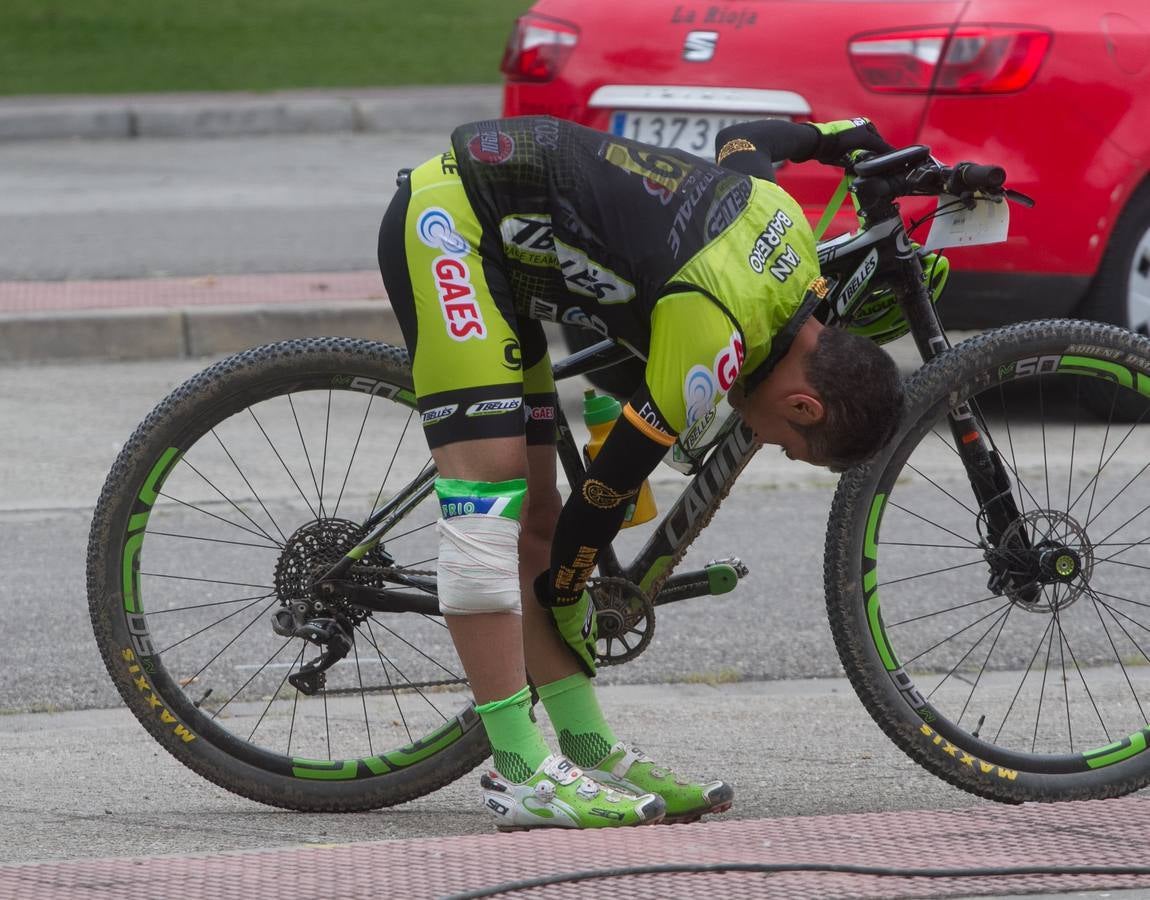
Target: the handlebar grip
pixel 975 177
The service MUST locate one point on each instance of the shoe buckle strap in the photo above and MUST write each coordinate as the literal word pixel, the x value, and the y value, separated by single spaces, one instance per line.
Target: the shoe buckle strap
pixel 623 766
pixel 562 770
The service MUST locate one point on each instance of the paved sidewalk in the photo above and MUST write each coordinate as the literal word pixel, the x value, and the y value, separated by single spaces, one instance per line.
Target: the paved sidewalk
pixel 161 318
pixel 231 114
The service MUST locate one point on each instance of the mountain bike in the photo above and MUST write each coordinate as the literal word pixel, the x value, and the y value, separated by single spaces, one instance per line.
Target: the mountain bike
pixel 261 565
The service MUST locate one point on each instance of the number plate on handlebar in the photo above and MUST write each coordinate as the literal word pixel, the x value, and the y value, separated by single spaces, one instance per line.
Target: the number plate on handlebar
pixel 987 223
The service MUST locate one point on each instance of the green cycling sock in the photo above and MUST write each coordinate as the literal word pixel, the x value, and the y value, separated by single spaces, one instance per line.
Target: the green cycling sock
pixel 516 742
pixel 584 735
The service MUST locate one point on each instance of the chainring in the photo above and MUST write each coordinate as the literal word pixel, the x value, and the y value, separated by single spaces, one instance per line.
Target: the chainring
pixel 626 619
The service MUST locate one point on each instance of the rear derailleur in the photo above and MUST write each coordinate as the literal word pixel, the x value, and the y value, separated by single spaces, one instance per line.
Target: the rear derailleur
pixel 331 633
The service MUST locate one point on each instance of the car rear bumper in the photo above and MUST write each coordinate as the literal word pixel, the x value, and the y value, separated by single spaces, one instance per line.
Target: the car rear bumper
pixel 988 299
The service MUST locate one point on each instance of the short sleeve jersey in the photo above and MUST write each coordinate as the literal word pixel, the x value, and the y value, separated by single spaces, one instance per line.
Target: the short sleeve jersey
pixel 694 267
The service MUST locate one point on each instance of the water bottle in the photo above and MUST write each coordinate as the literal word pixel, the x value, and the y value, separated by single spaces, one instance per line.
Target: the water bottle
pixel 599 415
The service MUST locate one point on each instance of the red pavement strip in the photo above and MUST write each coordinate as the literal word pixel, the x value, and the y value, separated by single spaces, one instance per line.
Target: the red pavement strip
pixel 1092 833
pixel 166 293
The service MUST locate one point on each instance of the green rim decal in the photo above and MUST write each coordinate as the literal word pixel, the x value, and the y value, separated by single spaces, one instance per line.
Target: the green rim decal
pixel 870 548
pixel 136 525
pixel 349 769
pixel 874 617
pixel 1118 751
pixel 322 770
pixel 870 582
pixel 1099 368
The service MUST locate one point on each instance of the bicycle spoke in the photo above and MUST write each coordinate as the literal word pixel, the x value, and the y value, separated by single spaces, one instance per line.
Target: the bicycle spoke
pixel 941 489
pixel 408 643
pixel 363 698
pixel 391 462
pixel 303 496
pixel 253 677
pixel 161 612
pixel 1042 688
pixel 403 676
pixel 997 622
pixel 306 456
pixel 262 587
pixel 255 493
pixel 1021 684
pixel 935 524
pixel 985 663
pixel 275 694
pixel 229 500
pixel 196 537
pixel 1117 655
pixel 1082 677
pixel 965 565
pixel 387 675
pixel 942 611
pixel 213 625
pixel 351 461
pixel 259 534
pixel 955 634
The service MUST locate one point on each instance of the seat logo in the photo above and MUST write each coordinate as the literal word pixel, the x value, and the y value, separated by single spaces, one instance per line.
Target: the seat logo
pixel 700 46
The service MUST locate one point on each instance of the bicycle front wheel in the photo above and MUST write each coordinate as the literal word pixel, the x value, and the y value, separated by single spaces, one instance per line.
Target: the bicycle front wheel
pixel 244 485
pixel 1038 689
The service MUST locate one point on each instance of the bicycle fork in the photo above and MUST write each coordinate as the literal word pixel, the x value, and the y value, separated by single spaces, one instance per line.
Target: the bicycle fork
pixel 1006 543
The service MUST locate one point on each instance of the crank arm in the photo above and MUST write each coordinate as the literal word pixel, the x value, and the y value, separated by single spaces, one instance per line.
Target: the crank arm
pixel 719 576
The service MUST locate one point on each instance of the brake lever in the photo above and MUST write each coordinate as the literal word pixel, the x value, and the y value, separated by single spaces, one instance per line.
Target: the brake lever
pixel 1019 198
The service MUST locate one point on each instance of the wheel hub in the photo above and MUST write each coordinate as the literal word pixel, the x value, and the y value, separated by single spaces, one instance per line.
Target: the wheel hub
pixel 1050 560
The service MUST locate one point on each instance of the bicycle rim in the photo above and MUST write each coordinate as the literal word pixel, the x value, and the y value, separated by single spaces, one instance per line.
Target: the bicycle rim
pixel 986 684
pixel 241 492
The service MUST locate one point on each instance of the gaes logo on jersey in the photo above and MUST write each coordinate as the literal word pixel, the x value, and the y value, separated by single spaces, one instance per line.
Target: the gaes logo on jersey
pixel 728 362
pixel 457 298
pixel 436 229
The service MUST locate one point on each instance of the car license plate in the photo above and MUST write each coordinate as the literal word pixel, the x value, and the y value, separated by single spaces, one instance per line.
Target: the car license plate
pixel 693 132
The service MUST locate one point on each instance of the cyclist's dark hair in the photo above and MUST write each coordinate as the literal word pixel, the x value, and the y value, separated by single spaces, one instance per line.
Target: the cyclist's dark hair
pixel 862 398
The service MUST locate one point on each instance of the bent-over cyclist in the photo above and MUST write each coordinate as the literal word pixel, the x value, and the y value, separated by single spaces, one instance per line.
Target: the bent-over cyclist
pixel 700 269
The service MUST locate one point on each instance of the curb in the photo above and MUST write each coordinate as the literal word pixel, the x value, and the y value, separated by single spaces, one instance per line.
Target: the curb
pixel 368 110
pixel 180 333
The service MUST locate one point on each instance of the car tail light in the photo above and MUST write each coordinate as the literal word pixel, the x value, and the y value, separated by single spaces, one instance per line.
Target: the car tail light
pixel 969 59
pixel 538 48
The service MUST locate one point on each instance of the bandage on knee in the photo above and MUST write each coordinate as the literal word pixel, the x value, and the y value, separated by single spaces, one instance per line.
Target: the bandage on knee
pixel 479 546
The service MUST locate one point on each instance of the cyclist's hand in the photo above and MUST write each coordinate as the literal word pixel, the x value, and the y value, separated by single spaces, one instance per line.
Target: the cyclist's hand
pixel 576 622
pixel 838 139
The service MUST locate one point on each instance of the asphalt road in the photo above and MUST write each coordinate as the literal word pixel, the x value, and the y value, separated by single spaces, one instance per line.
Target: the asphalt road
pixel 142 208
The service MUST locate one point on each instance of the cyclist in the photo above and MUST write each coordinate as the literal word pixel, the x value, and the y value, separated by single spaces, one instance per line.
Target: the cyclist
pixel 701 271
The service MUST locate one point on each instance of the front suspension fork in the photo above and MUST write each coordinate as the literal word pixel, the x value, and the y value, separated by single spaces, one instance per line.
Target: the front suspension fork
pixel 991 483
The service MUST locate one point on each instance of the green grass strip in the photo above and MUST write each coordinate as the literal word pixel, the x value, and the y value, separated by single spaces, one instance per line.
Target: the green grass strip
pixel 116 46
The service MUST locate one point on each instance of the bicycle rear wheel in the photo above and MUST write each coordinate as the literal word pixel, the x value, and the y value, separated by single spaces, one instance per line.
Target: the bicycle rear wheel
pixel 1041 690
pixel 243 485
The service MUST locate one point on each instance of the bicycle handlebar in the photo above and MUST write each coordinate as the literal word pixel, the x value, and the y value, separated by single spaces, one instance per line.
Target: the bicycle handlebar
pixel 975 177
pixel 912 171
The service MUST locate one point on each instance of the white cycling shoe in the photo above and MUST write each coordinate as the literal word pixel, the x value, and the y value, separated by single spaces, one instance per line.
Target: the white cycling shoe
pixel 559 795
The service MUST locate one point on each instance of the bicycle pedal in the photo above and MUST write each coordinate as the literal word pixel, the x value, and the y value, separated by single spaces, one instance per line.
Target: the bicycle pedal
pixel 724 574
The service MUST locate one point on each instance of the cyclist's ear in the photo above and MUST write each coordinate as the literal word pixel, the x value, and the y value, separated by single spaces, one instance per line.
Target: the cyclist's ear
pixel 804 409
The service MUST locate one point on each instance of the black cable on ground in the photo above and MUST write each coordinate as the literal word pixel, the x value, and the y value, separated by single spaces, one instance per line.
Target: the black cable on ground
pixel 545 880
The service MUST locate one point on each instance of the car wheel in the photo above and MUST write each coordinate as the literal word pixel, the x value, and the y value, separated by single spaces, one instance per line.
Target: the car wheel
pixel 1120 293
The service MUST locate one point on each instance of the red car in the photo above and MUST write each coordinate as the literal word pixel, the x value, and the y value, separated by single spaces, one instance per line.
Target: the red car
pixel 1057 93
